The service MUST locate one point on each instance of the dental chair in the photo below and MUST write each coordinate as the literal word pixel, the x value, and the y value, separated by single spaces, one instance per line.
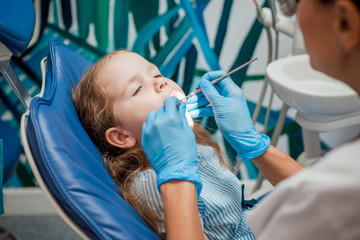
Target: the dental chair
pixel 66 163
pixel 14 38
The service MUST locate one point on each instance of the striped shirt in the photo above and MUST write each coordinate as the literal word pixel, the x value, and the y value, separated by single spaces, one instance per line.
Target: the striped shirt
pixel 220 201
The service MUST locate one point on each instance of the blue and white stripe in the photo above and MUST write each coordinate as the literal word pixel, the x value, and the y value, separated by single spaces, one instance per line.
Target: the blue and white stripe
pixel 219 202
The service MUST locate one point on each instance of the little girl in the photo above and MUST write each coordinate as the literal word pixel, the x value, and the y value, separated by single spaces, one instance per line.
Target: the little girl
pixel 113 99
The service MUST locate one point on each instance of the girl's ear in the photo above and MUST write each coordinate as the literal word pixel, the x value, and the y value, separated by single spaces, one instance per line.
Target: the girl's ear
pixel 120 138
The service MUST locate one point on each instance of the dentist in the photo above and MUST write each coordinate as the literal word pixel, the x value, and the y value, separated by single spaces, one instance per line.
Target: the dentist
pixel 320 202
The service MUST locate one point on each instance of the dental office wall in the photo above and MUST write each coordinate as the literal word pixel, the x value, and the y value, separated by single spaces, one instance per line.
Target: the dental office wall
pixel 242 15
pixel 241 18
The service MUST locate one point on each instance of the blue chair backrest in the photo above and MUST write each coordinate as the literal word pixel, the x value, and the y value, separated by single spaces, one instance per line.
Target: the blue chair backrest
pixel 69 162
pixel 17 21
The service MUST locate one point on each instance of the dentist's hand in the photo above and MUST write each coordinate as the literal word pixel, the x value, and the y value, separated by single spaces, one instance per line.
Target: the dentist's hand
pixel 169 144
pixel 228 106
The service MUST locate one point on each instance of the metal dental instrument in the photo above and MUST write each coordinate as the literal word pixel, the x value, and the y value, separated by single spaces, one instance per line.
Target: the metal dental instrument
pixel 216 80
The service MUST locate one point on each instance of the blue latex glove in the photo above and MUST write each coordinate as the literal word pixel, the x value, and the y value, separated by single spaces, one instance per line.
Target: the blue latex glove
pixel 228 106
pixel 169 144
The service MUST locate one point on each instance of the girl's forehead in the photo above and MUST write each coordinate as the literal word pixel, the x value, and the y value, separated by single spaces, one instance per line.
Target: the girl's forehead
pixel 123 63
pixel 123 66
pixel 130 62
pixel 129 57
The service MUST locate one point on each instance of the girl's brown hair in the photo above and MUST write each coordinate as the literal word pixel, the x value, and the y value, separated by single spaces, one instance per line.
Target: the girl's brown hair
pixel 95 113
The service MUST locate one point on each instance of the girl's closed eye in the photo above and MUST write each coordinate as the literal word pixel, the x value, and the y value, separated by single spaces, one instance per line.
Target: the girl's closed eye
pixel 158 75
pixel 137 90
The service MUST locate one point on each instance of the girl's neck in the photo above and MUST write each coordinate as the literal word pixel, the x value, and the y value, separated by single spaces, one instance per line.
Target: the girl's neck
pixel 146 167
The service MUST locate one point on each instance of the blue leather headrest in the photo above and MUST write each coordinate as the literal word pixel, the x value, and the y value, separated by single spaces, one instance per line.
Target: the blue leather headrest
pixel 69 162
pixel 17 21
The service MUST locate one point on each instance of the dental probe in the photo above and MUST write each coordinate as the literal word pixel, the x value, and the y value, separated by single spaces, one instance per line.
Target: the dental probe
pixel 256 4
pixel 216 80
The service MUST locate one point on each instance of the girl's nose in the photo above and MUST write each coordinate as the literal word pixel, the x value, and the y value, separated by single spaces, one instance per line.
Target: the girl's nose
pixel 160 84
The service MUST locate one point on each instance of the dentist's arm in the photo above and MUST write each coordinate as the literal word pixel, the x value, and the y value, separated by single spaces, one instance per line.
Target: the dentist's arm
pixel 228 106
pixel 276 165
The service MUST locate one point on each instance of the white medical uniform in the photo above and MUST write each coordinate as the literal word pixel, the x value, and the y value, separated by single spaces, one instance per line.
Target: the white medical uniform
pixel 321 202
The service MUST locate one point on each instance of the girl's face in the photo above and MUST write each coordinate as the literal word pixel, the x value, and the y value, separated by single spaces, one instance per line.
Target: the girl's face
pixel 136 87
